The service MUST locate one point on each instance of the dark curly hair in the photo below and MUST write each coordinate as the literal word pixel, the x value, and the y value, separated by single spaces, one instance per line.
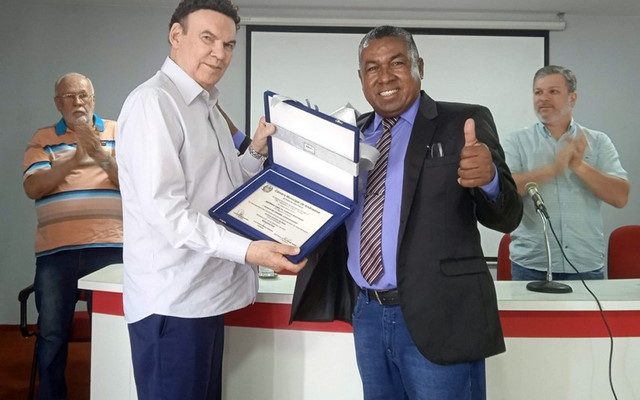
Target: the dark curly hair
pixel 186 7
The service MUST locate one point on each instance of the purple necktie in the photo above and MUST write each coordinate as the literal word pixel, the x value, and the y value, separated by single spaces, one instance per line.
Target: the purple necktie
pixel 371 229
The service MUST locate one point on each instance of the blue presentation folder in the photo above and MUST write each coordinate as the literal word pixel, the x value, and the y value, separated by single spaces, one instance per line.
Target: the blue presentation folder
pixel 313 157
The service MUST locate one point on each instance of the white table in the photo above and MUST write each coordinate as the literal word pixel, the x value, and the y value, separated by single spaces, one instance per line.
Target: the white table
pixel 557 346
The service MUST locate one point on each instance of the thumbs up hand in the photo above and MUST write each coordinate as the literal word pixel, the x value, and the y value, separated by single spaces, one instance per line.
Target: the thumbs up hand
pixel 476 165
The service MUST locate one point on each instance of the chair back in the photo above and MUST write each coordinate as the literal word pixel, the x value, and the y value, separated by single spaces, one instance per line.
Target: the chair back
pixel 504 263
pixel 624 253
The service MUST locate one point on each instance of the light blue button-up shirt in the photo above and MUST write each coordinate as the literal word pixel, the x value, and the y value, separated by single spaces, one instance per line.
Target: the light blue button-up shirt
pixel 573 209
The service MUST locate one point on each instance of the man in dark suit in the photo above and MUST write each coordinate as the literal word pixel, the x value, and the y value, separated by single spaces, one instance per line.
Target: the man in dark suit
pixel 416 288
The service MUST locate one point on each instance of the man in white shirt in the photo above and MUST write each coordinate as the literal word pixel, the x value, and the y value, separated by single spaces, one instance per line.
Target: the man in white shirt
pixel 176 159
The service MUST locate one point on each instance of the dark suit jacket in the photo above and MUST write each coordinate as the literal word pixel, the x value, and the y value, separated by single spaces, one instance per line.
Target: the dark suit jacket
pixel 446 291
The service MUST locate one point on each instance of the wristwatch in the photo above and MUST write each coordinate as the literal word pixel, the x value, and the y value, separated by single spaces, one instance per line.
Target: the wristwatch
pixel 256 155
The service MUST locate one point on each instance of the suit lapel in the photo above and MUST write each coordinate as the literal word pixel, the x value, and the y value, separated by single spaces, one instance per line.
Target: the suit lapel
pixel 421 137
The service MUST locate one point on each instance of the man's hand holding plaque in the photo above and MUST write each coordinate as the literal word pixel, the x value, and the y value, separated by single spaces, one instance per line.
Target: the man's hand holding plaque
pixel 271 255
pixel 259 140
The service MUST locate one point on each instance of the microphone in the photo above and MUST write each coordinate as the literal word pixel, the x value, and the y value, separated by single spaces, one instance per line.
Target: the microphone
pixel 548 285
pixel 531 188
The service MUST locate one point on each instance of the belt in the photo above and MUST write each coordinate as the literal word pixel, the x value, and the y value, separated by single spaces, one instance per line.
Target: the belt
pixel 384 297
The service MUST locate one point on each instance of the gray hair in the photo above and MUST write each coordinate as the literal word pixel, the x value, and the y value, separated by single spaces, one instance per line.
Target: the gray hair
pixel 396 32
pixel 69 76
pixel 569 76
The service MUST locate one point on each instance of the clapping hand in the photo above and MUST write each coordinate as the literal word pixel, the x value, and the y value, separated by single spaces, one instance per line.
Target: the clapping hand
pixel 88 143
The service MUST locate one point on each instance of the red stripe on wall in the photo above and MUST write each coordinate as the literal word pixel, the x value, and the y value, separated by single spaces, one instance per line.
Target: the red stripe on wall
pixel 537 324
pixel 569 323
pixel 276 316
pixel 107 303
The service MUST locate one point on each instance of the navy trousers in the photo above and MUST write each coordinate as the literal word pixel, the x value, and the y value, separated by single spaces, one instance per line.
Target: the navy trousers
pixel 177 358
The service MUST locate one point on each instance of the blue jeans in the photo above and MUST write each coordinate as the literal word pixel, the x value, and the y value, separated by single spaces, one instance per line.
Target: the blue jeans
pixel 520 273
pixel 56 293
pixel 177 358
pixel 392 368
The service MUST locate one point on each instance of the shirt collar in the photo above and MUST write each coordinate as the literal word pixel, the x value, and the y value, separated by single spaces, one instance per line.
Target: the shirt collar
pixel 61 126
pixel 189 89
pixel 571 129
pixel 409 115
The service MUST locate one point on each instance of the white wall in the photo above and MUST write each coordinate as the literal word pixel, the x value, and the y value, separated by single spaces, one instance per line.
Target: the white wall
pixel 119 47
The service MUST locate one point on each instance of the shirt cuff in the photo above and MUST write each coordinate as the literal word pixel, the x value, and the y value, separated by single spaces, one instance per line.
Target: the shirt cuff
pixel 238 138
pixel 492 189
pixel 234 248
pixel 250 164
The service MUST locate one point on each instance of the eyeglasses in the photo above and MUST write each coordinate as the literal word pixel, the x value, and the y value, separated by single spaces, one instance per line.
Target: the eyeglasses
pixel 82 96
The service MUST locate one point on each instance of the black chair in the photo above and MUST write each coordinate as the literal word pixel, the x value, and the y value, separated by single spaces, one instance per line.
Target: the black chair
pixel 80 329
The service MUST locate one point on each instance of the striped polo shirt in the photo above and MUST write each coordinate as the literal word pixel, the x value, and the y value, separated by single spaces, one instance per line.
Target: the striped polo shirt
pixel 85 209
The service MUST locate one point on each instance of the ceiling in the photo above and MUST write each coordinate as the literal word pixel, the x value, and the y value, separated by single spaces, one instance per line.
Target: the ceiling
pixel 310 8
pixel 583 7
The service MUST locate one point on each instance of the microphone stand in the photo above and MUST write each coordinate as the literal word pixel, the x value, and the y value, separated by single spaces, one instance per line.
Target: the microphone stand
pixel 548 285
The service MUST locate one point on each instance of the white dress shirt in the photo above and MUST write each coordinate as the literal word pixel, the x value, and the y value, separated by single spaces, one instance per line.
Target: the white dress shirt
pixel 176 159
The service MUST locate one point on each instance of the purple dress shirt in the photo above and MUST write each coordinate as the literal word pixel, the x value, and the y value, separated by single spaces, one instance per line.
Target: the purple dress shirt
pixel 400 135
